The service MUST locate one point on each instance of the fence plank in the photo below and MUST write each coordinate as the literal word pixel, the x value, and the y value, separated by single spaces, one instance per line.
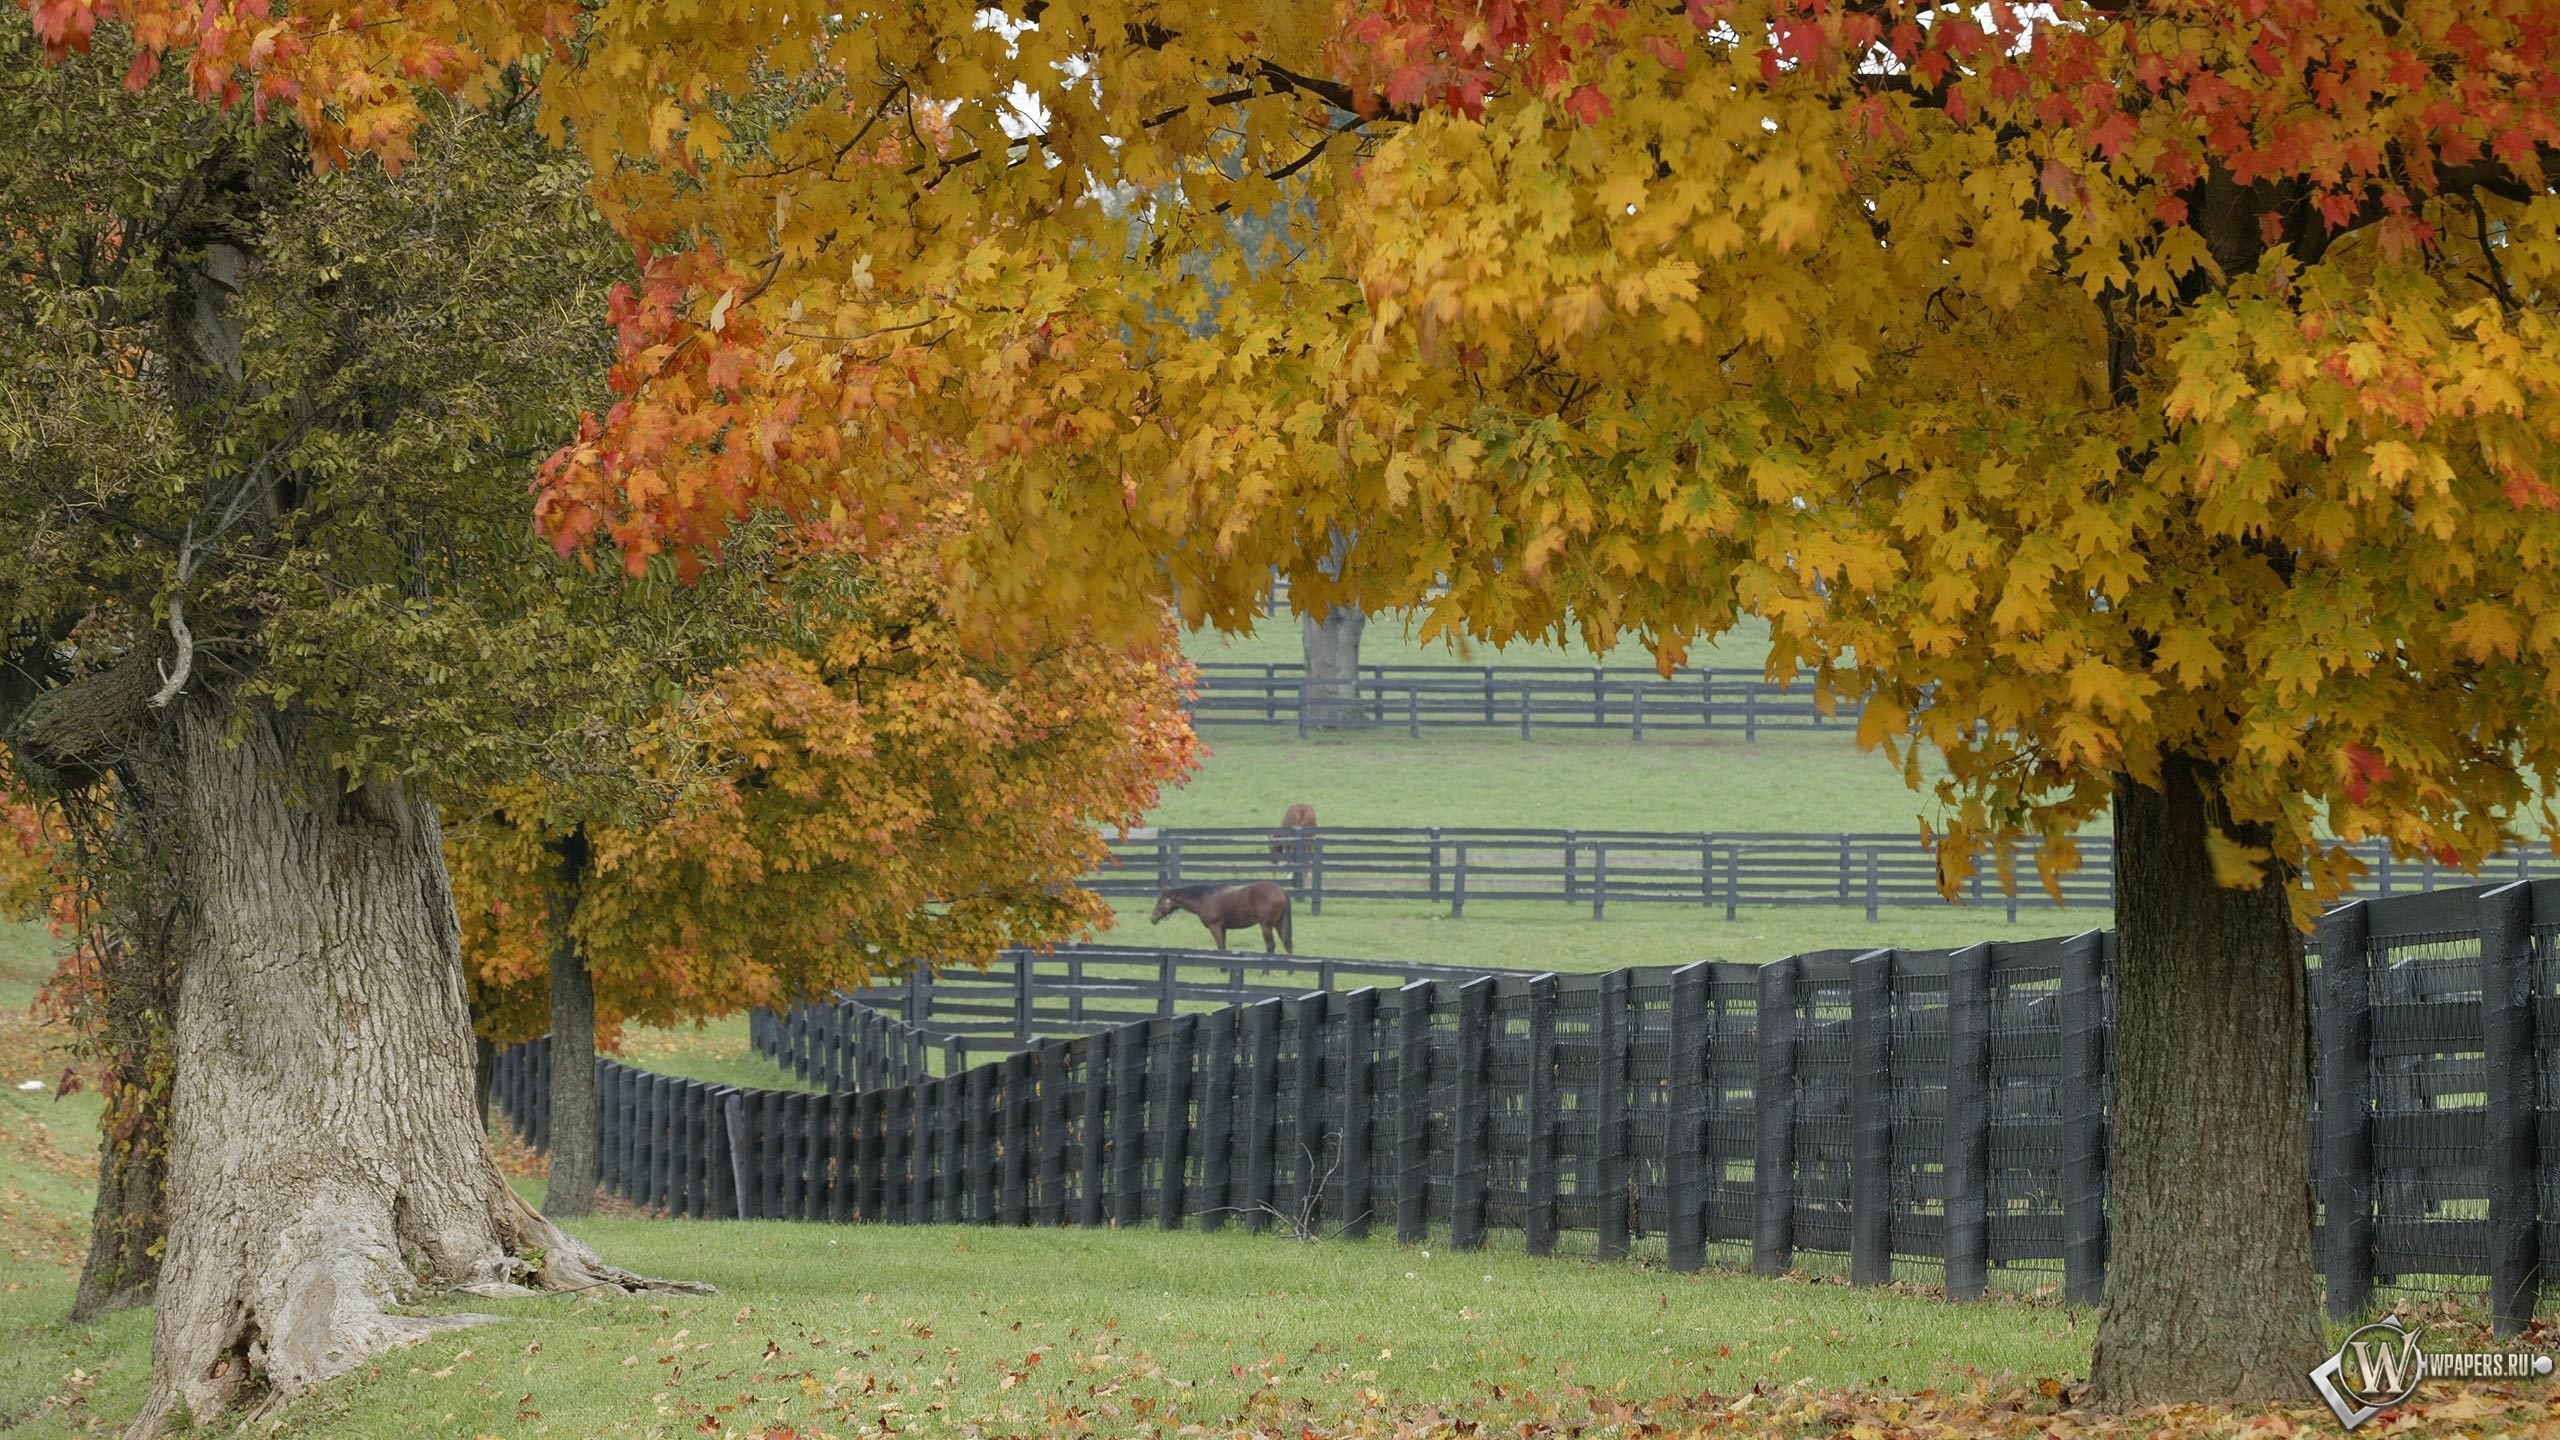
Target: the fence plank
pixel 1609 1116
pixel 733 1110
pixel 1871 1118
pixel 1413 1111
pixel 2509 1056
pixel 1095 1123
pixel 1968 1125
pixel 2084 1121
pixel 1773 1168
pixel 1307 1033
pixel 1262 1095
pixel 952 1174
pixel 1471 1125
pixel 925 1100
pixel 1129 1124
pixel 2346 1109
pixel 1358 1110
pixel 1683 1139
pixel 1218 1120
pixel 1174 1122
pixel 1052 1209
pixel 984 1118
pixel 1015 1205
pixel 1538 1218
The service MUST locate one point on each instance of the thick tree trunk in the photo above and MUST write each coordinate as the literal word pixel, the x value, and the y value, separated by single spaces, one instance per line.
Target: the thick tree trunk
pixel 572 1188
pixel 323 1162
pixel 2210 1280
pixel 1333 665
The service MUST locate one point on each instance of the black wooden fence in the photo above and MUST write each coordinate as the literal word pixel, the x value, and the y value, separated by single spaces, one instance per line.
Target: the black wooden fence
pixel 1412 698
pixel 1921 1112
pixel 1455 866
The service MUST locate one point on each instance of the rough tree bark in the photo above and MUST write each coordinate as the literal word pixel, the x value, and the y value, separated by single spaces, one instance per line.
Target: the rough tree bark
pixel 1333 665
pixel 2210 1278
pixel 572 1186
pixel 324 1161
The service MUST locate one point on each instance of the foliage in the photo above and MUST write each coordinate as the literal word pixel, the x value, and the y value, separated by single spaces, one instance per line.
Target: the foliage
pixel 874 797
pixel 2167 380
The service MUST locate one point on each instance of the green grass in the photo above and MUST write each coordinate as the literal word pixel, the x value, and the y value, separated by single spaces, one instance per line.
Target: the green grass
pixel 1797 781
pixel 716 1052
pixel 1522 934
pixel 999 1331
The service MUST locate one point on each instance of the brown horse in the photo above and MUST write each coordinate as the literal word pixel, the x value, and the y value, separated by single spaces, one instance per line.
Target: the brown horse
pixel 1300 819
pixel 1226 907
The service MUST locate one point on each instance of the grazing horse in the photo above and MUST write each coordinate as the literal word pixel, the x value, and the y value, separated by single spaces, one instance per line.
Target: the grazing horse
pixel 1300 819
pixel 1226 907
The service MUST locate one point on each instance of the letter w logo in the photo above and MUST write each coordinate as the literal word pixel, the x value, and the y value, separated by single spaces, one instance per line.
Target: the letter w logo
pixel 2388 1369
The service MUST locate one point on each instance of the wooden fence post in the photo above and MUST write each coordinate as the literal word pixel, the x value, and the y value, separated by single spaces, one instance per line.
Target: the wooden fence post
pixel 2346 1109
pixel 1359 1097
pixel 1413 1111
pixel 2084 1120
pixel 1262 1094
pixel 1471 1143
pixel 1599 880
pixel 1773 1168
pixel 2508 1052
pixel 1871 1115
pixel 1968 1123
pixel 1732 879
pixel 1538 1223
pixel 1173 1121
pixel 1684 1098
pixel 1307 1016
pixel 1458 886
pixel 1609 1115
pixel 1218 1119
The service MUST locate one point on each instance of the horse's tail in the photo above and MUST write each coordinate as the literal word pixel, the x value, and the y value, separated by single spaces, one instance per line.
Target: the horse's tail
pixel 1286 905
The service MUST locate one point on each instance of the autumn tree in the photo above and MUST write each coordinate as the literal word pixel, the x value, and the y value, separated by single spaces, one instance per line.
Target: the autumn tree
pixel 2151 407
pixel 863 795
pixel 270 593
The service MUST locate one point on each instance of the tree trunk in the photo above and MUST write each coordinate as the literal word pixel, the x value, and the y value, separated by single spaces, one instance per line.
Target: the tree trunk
pixel 323 1162
pixel 572 1188
pixel 1333 665
pixel 2210 1279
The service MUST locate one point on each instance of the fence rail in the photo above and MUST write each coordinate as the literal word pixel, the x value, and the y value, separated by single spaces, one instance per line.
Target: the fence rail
pixel 1455 866
pixel 1634 698
pixel 1946 1110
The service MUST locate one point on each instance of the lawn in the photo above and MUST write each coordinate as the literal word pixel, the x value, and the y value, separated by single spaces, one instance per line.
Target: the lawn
pixel 1800 781
pixel 1529 935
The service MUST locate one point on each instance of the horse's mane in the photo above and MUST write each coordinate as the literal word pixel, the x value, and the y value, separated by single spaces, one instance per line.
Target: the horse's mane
pixel 1195 892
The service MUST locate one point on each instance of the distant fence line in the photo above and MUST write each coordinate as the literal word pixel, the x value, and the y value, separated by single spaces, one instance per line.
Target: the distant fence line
pixel 1413 698
pixel 1928 1113
pixel 1455 865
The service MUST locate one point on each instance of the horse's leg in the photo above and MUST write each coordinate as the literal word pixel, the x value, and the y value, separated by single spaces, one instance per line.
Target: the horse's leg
pixel 1270 946
pixel 1217 933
